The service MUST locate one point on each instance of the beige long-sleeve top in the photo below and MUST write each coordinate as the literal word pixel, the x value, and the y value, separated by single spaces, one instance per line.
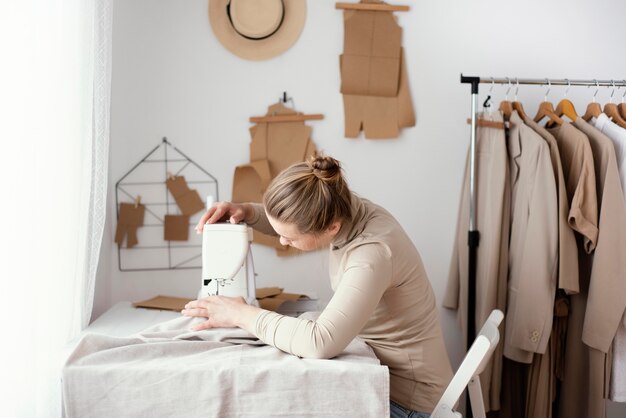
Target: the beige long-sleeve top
pixel 382 295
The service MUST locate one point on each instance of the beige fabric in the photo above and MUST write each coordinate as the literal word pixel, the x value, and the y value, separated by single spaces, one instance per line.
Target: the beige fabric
pixel 617 134
pixel 493 207
pixel 168 371
pixel 568 251
pixel 533 248
pixel 580 181
pixel 607 288
pixel 382 294
pixel 597 310
pixel 543 372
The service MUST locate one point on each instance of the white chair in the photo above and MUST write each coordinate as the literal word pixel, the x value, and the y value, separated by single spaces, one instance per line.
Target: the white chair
pixel 468 372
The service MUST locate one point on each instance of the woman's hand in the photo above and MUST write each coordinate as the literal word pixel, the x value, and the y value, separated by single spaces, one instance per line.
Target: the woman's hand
pixel 225 211
pixel 222 312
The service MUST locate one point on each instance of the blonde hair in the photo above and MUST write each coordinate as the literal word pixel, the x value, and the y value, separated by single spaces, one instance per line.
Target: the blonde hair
pixel 310 195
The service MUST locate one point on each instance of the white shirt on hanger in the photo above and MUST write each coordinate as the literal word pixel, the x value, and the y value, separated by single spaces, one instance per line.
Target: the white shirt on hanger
pixel 617 134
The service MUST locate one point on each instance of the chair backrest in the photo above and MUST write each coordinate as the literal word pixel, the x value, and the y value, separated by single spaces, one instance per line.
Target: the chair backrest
pixel 472 365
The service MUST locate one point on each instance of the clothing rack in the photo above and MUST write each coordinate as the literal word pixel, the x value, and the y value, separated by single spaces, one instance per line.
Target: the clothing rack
pixel 473 235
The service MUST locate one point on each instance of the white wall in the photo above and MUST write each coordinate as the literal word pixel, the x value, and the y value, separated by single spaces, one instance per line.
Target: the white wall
pixel 171 77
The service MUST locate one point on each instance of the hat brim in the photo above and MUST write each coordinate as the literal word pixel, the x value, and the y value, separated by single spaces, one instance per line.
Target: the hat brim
pixel 250 49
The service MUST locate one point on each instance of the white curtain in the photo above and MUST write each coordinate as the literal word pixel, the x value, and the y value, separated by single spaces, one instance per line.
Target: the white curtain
pixel 55 77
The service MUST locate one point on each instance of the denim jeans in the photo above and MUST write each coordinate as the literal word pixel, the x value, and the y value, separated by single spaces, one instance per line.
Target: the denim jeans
pixel 398 411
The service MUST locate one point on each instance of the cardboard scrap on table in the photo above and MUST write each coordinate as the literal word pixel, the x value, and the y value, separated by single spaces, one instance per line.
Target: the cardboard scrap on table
pixel 374 80
pixel 168 303
pixel 131 217
pixel 176 228
pixel 271 298
pixel 188 200
pixel 274 146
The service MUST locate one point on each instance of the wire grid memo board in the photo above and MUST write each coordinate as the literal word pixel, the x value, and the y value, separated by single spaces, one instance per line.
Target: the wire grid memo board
pixel 147 179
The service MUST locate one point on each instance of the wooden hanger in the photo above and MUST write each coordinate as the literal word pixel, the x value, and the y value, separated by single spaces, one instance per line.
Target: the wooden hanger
pixel 285 118
pixel 566 107
pixel 378 7
pixel 487 123
pixel 622 109
pixel 517 106
pixel 506 108
pixel 546 109
pixel 593 111
pixel 610 109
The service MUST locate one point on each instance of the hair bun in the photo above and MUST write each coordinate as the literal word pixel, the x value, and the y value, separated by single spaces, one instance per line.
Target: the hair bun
pixel 325 168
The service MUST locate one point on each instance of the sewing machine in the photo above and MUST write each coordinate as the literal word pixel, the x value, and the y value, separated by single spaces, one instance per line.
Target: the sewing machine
pixel 227 267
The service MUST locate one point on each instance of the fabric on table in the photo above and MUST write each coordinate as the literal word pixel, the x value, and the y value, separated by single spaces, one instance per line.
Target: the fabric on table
pixel 168 370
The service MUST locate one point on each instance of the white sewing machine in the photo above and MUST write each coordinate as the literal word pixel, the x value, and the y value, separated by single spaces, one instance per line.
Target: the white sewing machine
pixel 227 267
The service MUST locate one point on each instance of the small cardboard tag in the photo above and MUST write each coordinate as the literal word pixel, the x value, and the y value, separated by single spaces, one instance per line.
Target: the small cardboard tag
pixel 176 228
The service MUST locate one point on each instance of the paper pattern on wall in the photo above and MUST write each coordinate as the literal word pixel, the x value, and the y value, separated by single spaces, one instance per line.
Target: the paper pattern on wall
pixel 176 228
pixel 374 79
pixel 131 217
pixel 188 200
pixel 274 146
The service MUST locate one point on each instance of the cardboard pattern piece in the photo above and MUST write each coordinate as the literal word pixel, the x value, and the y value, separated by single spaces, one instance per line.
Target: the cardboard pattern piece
pixel 374 80
pixel 271 298
pixel 188 200
pixel 131 217
pixel 273 147
pixel 176 228
pixel 168 303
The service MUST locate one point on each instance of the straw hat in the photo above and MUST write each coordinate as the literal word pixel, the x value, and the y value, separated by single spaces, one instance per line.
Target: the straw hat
pixel 257 29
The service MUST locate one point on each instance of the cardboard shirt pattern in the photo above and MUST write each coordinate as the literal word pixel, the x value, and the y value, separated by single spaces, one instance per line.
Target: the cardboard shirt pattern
pixel 374 79
pixel 274 147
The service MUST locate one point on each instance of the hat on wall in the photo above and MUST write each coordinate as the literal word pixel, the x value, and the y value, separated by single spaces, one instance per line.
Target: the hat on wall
pixel 257 29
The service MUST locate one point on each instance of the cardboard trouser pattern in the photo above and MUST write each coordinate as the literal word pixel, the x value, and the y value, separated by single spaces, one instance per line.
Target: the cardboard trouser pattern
pixel 131 217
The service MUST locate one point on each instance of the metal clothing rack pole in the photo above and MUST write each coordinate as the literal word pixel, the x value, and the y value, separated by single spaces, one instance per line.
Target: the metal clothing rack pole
pixel 473 235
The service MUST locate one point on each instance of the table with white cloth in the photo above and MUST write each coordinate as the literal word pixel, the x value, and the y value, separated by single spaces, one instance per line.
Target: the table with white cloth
pixel 134 362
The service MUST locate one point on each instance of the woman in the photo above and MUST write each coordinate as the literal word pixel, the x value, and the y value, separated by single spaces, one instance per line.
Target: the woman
pixel 381 292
